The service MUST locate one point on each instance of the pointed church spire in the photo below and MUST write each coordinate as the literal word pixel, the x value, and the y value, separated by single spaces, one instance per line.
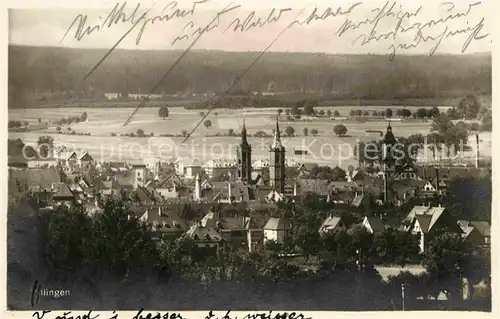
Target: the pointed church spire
pixel 244 141
pixel 244 131
pixel 277 138
pixel 389 136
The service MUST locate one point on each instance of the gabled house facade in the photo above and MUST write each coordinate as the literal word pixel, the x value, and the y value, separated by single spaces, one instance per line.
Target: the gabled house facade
pixel 165 223
pixel 276 229
pixel 332 224
pixel 427 222
pixel 373 224
pixel 206 238
pixel 474 232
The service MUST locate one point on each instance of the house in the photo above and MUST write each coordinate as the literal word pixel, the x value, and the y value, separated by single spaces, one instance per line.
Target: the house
pixel 429 187
pixel 476 232
pixel 274 196
pixel 205 237
pixel 471 233
pixel 404 190
pixel 484 229
pixel 276 229
pixel 233 229
pixel 84 159
pixel 428 221
pixel 232 192
pixel 215 168
pixel 144 196
pixel 407 174
pixel 192 168
pixel 362 202
pixel 138 169
pixel 165 223
pixel 359 177
pixel 170 186
pixel 260 164
pixel 332 224
pixel 373 224
pixel 62 194
pixel 67 158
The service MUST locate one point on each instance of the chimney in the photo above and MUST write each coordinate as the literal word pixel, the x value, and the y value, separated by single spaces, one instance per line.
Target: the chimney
pixel 477 150
pixel 229 192
pixel 437 180
pixel 197 191
pixel 159 211
pixel 295 188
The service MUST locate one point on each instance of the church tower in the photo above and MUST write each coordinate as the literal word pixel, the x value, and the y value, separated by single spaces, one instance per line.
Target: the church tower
pixel 388 161
pixel 244 155
pixel 277 162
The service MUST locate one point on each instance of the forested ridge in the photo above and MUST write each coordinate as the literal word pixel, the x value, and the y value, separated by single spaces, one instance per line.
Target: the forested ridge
pixel 35 70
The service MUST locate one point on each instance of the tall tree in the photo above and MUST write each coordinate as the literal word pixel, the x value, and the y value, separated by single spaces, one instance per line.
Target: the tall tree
pixel 487 122
pixel 340 130
pixel 309 110
pixel 163 112
pixel 122 242
pixel 446 260
pixel 46 145
pixel 469 198
pixel 469 107
pixel 68 240
pixel 441 124
pixel 388 112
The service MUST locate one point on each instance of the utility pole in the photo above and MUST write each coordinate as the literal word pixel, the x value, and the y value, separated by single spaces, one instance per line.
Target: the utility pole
pixel 403 290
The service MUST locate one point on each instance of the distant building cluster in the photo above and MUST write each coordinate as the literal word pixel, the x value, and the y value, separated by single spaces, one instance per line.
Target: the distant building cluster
pixel 163 190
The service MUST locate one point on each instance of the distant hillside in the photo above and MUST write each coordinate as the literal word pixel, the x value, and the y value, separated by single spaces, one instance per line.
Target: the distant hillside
pixel 34 70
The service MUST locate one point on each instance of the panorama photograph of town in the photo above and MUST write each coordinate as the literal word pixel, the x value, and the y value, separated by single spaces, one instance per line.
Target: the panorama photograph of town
pixel 251 164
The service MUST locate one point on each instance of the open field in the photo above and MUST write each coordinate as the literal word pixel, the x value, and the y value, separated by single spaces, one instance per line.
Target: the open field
pixel 151 113
pixel 325 149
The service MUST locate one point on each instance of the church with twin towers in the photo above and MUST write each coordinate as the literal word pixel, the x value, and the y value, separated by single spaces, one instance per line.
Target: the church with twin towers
pixel 249 180
pixel 276 162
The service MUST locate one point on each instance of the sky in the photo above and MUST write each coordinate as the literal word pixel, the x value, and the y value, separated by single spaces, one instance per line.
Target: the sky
pixel 45 24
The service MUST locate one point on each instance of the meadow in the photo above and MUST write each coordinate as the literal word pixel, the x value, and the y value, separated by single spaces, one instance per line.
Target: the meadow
pixel 324 149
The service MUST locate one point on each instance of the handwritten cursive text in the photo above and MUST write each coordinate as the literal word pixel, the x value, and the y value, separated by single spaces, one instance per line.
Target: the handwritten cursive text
pixel 251 22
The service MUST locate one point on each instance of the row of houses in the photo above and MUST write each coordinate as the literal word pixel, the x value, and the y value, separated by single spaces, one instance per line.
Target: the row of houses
pixel 424 221
pixel 214 230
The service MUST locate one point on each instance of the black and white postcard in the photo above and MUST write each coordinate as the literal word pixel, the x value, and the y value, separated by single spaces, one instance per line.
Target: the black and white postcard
pixel 248 159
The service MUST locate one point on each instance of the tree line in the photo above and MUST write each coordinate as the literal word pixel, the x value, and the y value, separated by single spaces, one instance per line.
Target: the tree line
pixel 368 77
pixel 116 244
